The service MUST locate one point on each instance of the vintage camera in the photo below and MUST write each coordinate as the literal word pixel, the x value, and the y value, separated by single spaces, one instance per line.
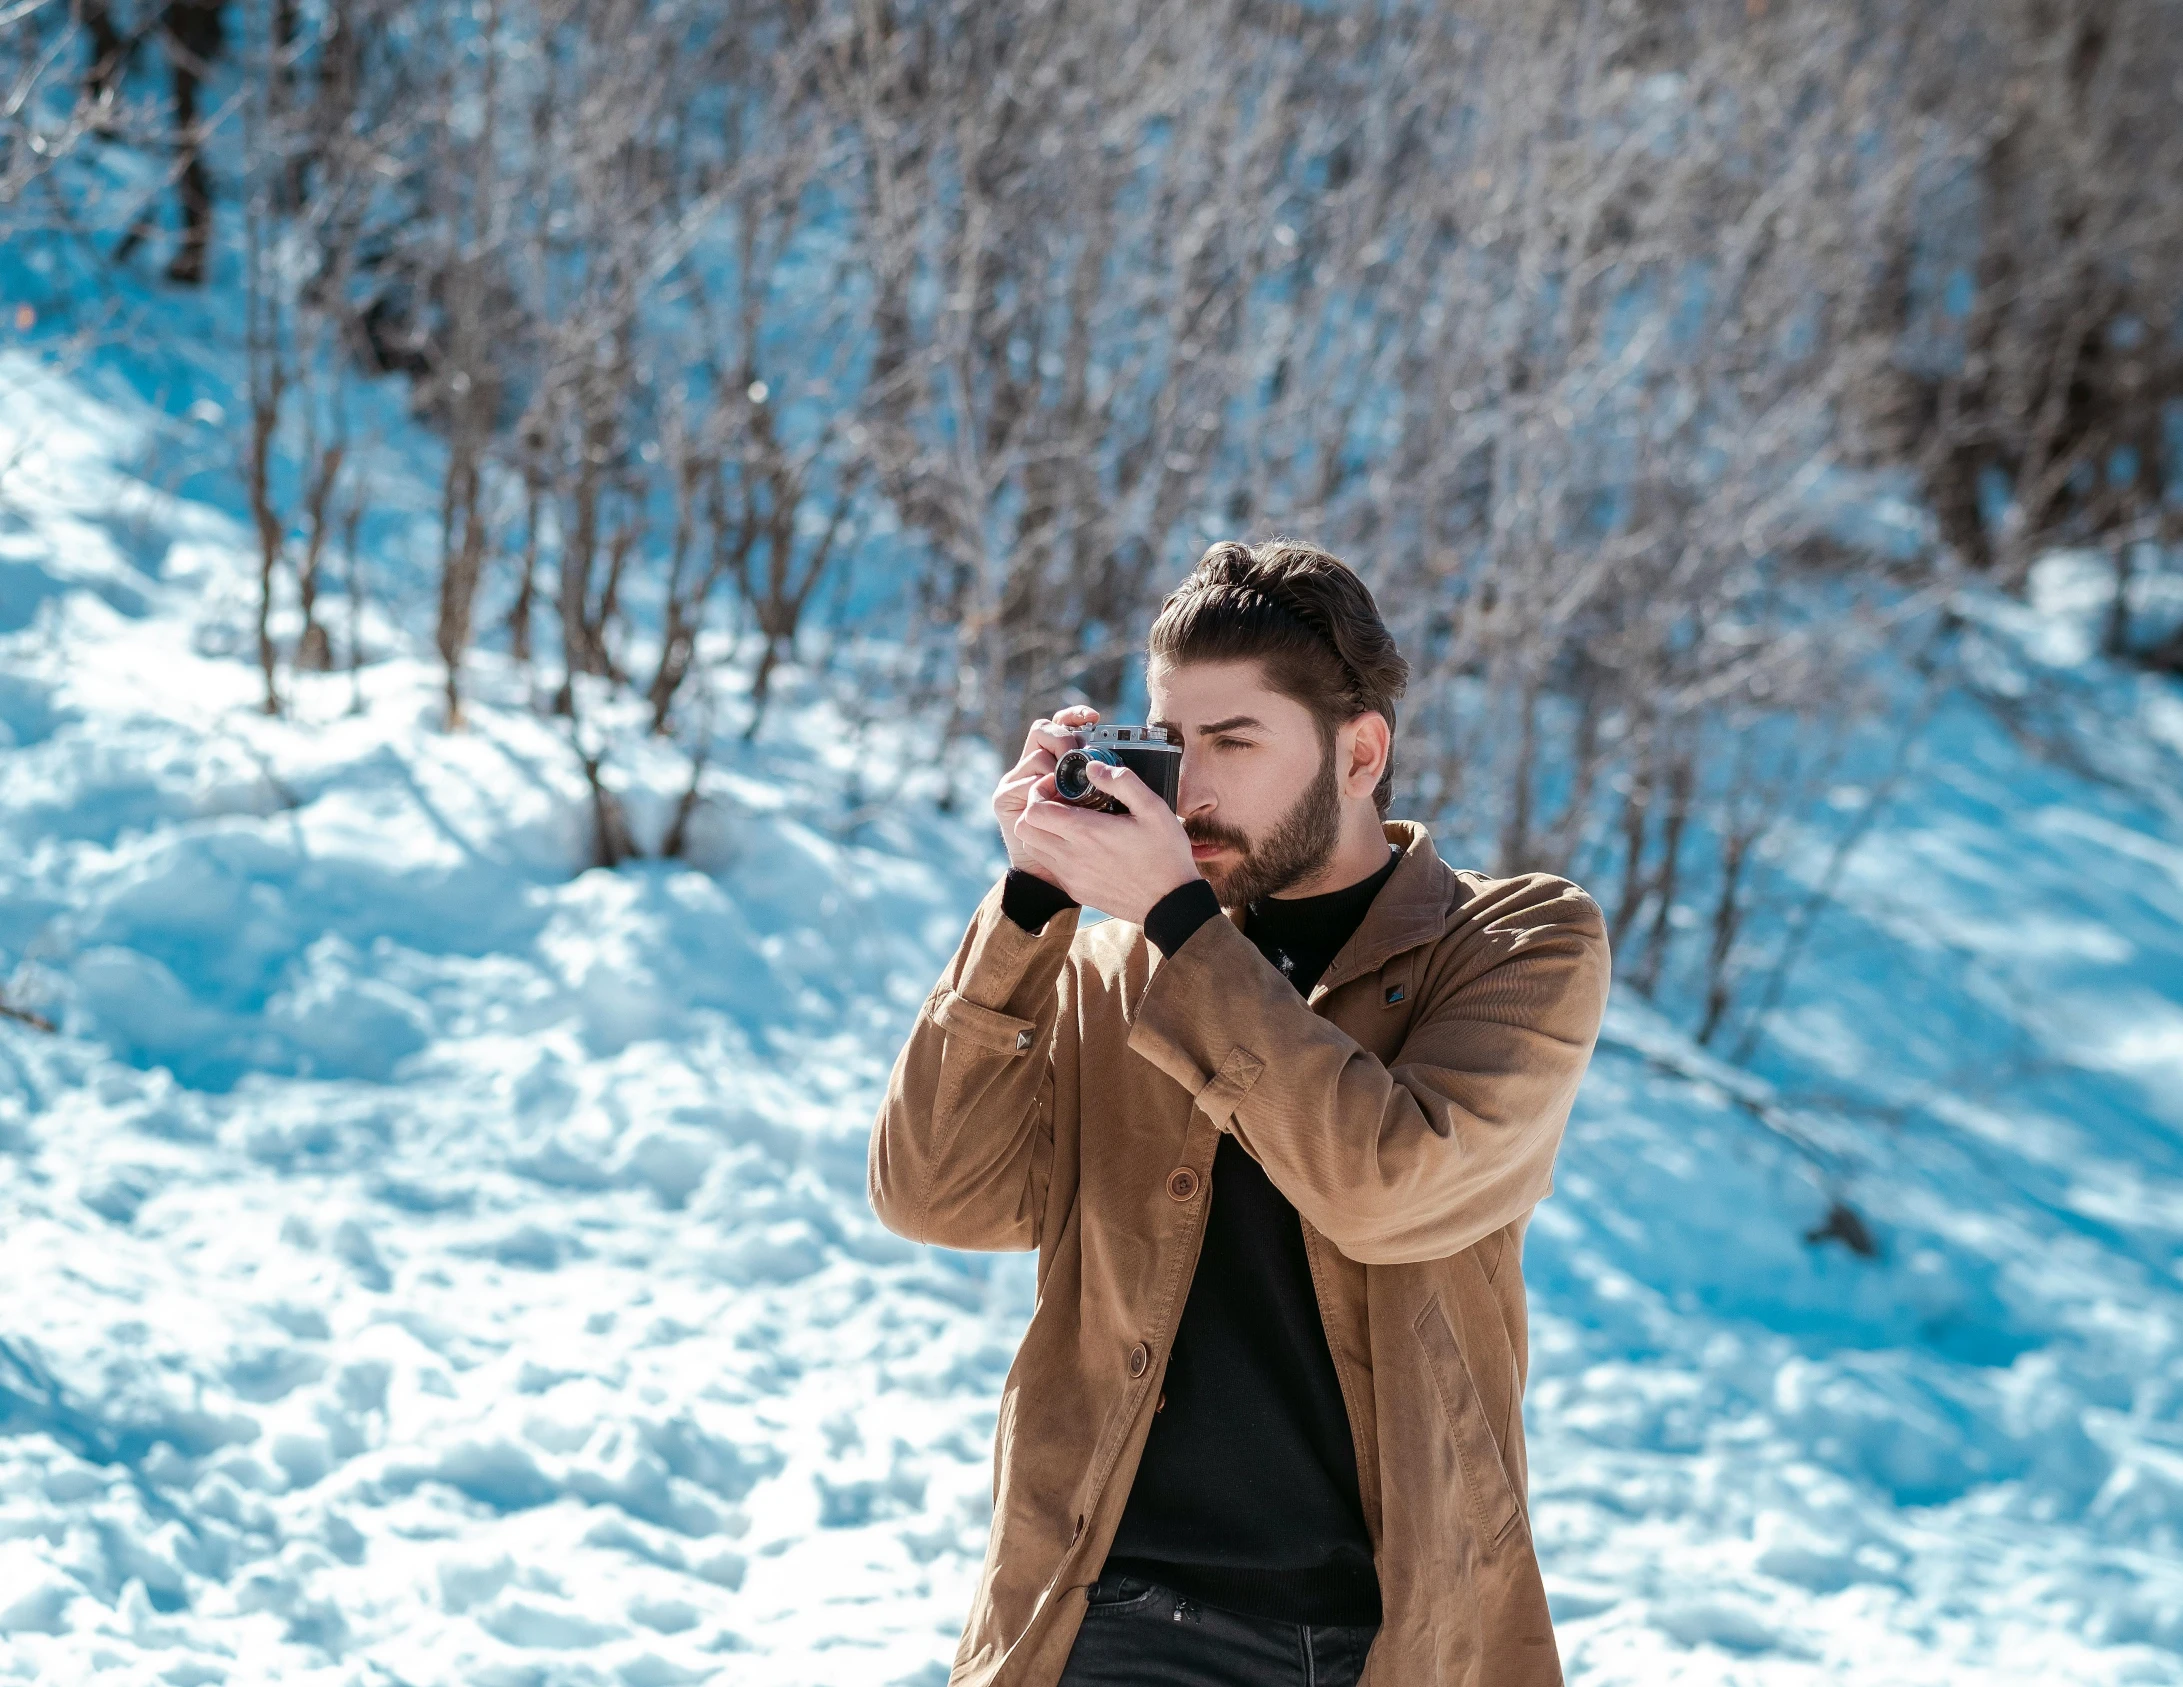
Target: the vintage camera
pixel 1144 750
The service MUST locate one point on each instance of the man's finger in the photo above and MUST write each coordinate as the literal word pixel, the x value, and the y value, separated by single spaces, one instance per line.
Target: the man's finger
pixel 1040 813
pixel 1122 784
pixel 1050 739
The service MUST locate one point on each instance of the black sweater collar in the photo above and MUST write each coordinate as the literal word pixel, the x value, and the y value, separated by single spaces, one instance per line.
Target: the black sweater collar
pixel 1328 904
pixel 1308 931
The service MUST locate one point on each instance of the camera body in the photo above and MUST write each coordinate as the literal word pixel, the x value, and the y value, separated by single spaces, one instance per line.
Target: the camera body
pixel 1146 751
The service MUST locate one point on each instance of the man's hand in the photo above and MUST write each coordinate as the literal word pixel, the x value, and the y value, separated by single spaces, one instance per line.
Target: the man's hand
pixel 1119 863
pixel 1042 746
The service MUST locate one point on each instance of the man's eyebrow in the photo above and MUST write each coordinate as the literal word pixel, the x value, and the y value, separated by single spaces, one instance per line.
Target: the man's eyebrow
pixel 1211 727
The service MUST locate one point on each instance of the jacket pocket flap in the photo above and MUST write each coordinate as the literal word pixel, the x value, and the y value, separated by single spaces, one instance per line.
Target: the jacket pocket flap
pixel 959 1016
pixel 1493 1503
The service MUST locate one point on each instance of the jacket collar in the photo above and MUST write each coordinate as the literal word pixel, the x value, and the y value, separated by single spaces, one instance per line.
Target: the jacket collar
pixel 1411 908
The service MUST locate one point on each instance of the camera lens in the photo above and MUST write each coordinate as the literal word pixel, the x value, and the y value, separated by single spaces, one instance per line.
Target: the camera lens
pixel 1072 778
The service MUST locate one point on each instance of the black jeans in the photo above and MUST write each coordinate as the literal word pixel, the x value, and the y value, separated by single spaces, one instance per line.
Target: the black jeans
pixel 1139 1633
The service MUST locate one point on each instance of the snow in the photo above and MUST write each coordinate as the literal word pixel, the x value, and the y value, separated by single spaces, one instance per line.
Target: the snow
pixel 431 1263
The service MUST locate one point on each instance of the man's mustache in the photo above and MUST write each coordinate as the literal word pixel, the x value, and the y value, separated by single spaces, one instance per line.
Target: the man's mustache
pixel 1218 835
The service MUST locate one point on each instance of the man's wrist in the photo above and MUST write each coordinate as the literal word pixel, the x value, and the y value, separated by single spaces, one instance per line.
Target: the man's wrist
pixel 1172 919
pixel 1030 900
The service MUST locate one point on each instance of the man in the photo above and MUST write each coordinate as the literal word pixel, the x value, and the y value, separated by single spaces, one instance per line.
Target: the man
pixel 1275 1129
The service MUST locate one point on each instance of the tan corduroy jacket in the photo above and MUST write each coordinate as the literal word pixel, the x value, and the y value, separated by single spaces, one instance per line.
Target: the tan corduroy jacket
pixel 1065 1091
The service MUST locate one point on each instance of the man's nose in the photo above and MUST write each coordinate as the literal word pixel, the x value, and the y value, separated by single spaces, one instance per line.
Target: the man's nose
pixel 1192 795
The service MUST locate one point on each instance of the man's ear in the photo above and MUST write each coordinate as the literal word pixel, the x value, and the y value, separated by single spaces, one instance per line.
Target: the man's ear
pixel 1364 745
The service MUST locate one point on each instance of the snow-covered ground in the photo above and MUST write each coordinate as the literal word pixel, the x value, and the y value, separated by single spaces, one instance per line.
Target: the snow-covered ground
pixel 427 1263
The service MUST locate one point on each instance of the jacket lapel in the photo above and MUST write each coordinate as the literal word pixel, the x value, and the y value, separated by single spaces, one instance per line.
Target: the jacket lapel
pixel 1411 908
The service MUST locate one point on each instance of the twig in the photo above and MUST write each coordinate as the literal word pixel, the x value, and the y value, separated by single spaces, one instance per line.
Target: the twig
pixel 36 1021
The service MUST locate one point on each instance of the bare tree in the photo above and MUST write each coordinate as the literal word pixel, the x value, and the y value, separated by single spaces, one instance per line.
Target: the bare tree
pixel 194 34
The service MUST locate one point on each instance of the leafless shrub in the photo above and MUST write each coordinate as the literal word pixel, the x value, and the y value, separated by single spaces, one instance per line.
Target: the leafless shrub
pixel 1626 312
pixel 2035 304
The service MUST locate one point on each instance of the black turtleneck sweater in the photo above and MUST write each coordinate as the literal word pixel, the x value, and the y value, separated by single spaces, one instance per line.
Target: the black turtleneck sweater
pixel 1246 1496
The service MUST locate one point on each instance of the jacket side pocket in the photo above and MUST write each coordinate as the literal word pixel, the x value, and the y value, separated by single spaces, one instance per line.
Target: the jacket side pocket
pixel 1496 1513
pixel 959 1016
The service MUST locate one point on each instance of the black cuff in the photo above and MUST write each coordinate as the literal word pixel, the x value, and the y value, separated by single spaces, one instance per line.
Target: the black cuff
pixel 1180 912
pixel 1030 900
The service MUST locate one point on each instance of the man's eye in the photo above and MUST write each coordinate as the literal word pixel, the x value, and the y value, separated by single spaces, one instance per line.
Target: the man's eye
pixel 1233 743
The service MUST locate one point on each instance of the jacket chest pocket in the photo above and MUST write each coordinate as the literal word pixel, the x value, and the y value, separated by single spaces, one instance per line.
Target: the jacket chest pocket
pixel 1495 1511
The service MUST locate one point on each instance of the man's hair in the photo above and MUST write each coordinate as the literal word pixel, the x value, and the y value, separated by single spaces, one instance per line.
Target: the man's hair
pixel 1305 617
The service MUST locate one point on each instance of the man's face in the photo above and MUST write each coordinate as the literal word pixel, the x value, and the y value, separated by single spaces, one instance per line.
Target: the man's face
pixel 1259 797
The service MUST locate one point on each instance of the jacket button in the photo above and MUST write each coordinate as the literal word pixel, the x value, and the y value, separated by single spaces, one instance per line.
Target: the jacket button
pixel 1023 1039
pixel 1139 1357
pixel 1182 1183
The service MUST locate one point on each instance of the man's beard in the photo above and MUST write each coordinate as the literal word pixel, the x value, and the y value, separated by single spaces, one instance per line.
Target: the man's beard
pixel 1300 843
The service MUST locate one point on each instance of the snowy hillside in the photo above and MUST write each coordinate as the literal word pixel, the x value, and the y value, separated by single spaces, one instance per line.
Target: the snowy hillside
pixel 428 1264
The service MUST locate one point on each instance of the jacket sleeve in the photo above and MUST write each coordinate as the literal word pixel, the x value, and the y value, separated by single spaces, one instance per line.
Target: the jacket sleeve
pixel 962 1149
pixel 1421 1158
